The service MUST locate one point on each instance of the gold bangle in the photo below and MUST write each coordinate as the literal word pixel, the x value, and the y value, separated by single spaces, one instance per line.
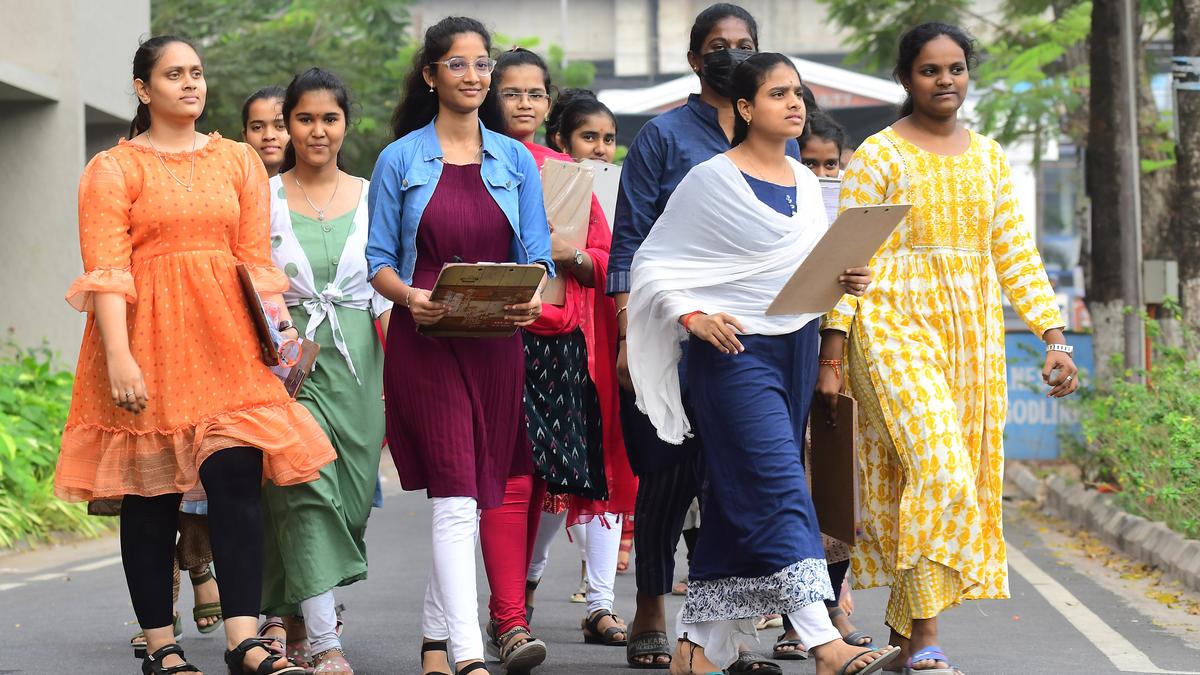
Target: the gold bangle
pixel 621 309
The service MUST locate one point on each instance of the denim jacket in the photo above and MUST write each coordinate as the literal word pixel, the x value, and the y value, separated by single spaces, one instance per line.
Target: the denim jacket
pixel 406 175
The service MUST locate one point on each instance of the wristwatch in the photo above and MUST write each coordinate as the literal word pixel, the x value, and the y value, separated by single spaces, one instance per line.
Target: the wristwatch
pixel 578 257
pixel 285 325
pixel 1066 349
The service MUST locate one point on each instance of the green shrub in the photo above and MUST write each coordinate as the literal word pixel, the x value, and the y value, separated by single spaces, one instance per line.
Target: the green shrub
pixel 34 399
pixel 1145 438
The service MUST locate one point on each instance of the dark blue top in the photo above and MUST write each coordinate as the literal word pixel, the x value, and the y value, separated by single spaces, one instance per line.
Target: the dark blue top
pixel 660 156
pixel 782 198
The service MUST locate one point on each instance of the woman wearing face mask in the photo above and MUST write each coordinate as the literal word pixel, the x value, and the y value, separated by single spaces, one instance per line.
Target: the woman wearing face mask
pixel 582 127
pixel 570 386
pixel 730 237
pixel 453 188
pixel 925 350
pixel 319 235
pixel 722 36
pixel 170 392
pixel 263 127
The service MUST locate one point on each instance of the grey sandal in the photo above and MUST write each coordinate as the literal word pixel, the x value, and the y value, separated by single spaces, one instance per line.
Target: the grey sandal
pixel 651 643
pixel 746 662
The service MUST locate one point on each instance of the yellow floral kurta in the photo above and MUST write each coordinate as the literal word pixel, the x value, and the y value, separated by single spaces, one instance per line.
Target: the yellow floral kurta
pixel 926 361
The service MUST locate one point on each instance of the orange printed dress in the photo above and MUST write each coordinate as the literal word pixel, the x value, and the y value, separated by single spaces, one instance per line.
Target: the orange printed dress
pixel 926 363
pixel 172 254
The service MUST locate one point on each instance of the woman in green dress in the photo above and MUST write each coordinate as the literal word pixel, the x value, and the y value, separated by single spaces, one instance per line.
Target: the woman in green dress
pixel 315 531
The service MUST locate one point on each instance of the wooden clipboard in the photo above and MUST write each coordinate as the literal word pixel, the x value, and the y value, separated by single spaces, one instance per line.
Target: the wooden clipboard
pixel 850 242
pixel 567 192
pixel 268 349
pixel 833 467
pixel 477 294
pixel 606 183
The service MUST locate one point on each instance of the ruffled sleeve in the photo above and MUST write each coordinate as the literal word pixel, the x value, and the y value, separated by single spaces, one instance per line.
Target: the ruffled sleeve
pixel 104 234
pixel 254 230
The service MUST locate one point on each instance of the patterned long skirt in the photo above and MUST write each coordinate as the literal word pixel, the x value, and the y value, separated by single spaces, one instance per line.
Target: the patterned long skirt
pixel 562 412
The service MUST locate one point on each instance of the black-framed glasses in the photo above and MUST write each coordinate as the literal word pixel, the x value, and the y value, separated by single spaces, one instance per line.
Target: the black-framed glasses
pixel 458 65
pixel 515 95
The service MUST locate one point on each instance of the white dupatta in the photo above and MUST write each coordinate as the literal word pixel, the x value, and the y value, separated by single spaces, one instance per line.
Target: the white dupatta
pixel 349 288
pixel 715 248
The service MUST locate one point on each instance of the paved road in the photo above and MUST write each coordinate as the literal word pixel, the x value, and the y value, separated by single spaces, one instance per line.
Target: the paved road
pixel 67 611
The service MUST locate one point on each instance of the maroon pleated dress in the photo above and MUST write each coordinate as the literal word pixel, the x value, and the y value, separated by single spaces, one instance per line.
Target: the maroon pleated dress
pixel 455 417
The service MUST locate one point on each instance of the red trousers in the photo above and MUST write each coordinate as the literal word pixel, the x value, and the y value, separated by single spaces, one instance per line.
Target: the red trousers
pixel 506 534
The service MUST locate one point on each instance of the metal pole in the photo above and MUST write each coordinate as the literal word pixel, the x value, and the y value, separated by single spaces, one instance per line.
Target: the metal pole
pixel 1131 205
pixel 562 30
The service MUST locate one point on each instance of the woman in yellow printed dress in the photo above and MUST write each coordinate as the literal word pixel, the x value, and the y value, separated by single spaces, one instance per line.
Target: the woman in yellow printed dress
pixel 925 355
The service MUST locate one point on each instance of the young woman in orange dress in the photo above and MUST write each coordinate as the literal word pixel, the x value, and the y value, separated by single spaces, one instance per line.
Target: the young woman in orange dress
pixel 171 394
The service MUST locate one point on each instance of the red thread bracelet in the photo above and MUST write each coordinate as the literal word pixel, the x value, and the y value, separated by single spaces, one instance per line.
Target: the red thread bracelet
pixel 687 319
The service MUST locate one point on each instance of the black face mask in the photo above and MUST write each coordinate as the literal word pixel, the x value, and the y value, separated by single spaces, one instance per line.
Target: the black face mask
pixel 717 68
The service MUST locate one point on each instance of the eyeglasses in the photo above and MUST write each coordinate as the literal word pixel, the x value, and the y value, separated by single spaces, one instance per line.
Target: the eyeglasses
pixel 458 65
pixel 515 95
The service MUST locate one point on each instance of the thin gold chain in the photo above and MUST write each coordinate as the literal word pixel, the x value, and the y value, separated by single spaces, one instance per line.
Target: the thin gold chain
pixel 191 174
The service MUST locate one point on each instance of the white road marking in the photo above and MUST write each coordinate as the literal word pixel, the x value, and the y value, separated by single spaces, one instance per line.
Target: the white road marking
pixel 49 576
pixel 1123 654
pixel 7 587
pixel 116 559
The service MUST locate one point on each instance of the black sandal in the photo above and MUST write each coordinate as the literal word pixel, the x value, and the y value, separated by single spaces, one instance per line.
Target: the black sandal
pixel 651 643
pixel 522 658
pixel 593 636
pixel 438 646
pixel 746 662
pixel 152 663
pixel 472 667
pixel 235 659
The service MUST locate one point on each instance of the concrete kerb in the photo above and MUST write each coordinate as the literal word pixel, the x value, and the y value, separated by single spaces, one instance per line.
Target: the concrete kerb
pixel 1149 542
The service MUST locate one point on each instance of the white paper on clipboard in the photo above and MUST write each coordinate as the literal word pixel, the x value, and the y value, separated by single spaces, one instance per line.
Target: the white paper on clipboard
pixel 850 242
pixel 606 184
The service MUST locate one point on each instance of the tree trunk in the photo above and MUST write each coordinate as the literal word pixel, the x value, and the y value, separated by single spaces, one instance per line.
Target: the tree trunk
pixel 1185 226
pixel 1108 124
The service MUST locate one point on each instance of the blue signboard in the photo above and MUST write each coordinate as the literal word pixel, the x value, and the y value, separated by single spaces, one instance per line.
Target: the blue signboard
pixel 1034 419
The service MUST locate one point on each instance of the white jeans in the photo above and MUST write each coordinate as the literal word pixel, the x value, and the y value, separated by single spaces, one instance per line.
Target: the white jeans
pixel 720 639
pixel 602 543
pixel 320 622
pixel 451 604
pixel 599 540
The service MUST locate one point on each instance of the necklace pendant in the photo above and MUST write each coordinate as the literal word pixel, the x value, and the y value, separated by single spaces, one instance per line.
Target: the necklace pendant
pixel 321 216
pixel 189 188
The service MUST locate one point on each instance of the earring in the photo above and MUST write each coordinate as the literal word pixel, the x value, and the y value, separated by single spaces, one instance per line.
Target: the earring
pixel 431 89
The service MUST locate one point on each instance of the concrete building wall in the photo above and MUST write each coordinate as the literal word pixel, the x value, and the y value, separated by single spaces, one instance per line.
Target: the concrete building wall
pixel 620 31
pixel 65 93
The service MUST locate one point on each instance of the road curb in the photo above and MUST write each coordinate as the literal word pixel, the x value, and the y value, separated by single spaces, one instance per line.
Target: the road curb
pixel 1150 542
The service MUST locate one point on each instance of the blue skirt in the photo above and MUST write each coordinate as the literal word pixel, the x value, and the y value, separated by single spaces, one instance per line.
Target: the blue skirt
pixel 759 550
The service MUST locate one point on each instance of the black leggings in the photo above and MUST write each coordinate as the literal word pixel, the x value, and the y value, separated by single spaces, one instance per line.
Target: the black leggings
pixel 233 480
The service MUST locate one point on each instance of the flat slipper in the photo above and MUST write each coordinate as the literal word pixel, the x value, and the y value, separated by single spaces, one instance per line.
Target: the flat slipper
pixel 930 653
pixel 889 655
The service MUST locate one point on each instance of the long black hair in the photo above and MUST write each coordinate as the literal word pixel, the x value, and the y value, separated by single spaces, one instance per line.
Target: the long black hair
pixel 914 40
pixel 747 78
pixel 274 92
pixel 570 111
pixel 707 20
pixel 418 103
pixel 313 79
pixel 144 60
